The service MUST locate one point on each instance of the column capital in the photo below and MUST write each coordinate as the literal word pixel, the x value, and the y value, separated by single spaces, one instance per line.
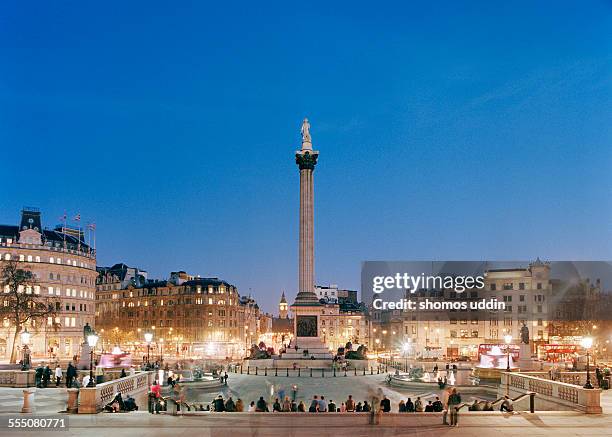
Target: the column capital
pixel 306 160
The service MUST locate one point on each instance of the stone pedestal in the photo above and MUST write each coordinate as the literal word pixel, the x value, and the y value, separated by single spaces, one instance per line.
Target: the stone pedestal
pixel 526 362
pixel 84 362
pixel 73 400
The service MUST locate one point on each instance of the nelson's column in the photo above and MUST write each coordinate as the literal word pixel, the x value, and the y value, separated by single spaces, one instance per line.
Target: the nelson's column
pixel 307 307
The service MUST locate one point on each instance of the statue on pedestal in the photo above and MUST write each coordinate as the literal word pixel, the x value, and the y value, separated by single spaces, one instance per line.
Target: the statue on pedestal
pixel 87 331
pixel 524 334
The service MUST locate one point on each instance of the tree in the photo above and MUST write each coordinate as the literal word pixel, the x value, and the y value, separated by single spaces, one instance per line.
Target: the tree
pixel 21 306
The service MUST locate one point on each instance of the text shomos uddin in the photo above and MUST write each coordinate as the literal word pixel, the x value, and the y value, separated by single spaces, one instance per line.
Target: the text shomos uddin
pixel 405 281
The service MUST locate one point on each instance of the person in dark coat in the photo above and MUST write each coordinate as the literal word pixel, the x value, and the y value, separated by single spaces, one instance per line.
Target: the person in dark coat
pixel 46 376
pixel 219 404
pixel 71 373
pixel 385 405
pixel 230 406
pixel 38 376
pixel 261 405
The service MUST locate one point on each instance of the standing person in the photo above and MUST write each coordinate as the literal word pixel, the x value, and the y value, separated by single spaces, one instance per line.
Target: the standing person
pixel 453 403
pixel 38 375
pixel 155 395
pixel 71 373
pixel 58 375
pixel 46 376
pixel 225 378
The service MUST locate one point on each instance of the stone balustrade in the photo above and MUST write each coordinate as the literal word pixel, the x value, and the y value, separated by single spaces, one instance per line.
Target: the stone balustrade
pixel 551 395
pixel 17 378
pixel 93 399
pixel 574 378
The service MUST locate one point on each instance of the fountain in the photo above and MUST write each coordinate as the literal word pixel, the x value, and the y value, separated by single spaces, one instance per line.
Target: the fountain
pixel 492 363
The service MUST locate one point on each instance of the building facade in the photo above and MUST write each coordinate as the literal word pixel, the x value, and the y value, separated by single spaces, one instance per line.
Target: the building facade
pixel 189 316
pixel 65 269
pixel 525 292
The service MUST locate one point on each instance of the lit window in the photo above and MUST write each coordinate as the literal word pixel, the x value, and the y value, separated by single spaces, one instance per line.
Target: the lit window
pixel 50 290
pixel 37 259
pixel 7 256
pixel 29 258
pixel 21 258
pixel 37 289
pixel 51 260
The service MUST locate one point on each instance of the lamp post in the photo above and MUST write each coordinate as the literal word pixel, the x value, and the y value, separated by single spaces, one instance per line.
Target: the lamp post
pixel 161 350
pixel 25 340
pixel 406 349
pixel 92 340
pixel 586 343
pixel 148 338
pixel 508 340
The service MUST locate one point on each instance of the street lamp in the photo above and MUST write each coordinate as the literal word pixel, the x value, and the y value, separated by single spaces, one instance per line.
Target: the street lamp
pixel 586 343
pixel 406 349
pixel 148 338
pixel 161 350
pixel 508 340
pixel 25 359
pixel 92 340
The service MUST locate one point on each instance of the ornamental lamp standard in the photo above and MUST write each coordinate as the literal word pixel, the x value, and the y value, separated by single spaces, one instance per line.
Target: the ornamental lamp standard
pixel 92 340
pixel 406 350
pixel 25 341
pixel 586 343
pixel 508 340
pixel 148 338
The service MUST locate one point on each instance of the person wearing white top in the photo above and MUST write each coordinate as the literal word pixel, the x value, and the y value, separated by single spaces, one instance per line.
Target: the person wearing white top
pixel 251 407
pixel 58 375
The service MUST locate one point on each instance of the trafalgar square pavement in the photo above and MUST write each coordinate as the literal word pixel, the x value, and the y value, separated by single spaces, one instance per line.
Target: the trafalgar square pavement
pixel 48 402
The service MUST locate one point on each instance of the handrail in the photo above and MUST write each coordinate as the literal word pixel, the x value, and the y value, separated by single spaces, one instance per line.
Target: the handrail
pixel 518 398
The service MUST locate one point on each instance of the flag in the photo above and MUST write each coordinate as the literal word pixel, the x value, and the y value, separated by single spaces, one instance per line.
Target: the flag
pixel 92 226
pixel 77 218
pixel 64 217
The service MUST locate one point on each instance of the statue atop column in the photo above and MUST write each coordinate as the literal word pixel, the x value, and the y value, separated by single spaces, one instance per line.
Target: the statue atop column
pixel 306 131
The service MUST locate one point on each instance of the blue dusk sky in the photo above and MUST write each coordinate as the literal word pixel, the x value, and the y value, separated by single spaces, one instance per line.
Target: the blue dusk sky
pixel 446 130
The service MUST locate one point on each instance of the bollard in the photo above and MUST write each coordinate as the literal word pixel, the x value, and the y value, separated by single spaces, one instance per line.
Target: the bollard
pixel 345 371
pixel 355 371
pixel 287 372
pixel 26 408
pixel 532 402
pixel 378 370
pixel 311 372
pixel 256 370
pixel 276 372
pixel 364 371
pixel 371 371
pixel 248 370
pixel 322 373
pixel 241 369
pixel 299 371
pixel 334 372
pixel 265 371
